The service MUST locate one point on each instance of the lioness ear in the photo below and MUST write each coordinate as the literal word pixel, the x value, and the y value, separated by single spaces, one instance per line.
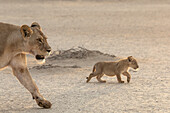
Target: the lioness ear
pixel 130 58
pixel 35 24
pixel 26 31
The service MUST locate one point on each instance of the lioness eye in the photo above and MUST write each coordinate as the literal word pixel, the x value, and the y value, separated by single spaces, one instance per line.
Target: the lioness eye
pixel 40 40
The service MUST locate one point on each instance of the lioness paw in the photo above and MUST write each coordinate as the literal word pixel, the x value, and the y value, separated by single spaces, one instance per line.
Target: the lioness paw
pixel 44 103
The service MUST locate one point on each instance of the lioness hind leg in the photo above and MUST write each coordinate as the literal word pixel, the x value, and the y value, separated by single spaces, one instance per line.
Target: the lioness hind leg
pixel 99 78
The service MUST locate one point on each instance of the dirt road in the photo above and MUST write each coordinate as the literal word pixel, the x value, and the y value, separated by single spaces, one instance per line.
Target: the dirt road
pixel 121 28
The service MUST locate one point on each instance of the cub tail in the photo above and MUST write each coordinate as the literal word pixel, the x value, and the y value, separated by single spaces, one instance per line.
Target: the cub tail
pixel 92 72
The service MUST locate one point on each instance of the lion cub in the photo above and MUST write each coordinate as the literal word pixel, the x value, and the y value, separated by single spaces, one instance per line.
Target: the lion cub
pixel 114 68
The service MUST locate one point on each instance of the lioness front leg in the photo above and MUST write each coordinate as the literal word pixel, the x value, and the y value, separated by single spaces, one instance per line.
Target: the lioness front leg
pixel 119 78
pixel 99 78
pixel 128 76
pixel 20 70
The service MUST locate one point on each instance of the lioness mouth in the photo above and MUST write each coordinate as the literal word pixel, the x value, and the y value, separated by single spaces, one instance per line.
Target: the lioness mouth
pixel 39 57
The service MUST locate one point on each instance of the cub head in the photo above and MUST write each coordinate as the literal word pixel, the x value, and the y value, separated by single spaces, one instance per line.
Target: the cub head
pixel 132 62
pixel 35 42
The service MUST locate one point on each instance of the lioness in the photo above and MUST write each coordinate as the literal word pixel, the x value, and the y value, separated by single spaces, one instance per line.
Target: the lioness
pixel 114 68
pixel 15 43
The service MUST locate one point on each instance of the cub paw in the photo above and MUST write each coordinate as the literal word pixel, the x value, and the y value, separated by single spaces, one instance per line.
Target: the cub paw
pixel 103 81
pixel 121 82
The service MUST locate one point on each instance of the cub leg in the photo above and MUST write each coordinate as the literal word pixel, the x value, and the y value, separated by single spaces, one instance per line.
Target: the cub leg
pixel 119 78
pixel 128 76
pixel 21 72
pixel 96 73
pixel 90 76
pixel 99 78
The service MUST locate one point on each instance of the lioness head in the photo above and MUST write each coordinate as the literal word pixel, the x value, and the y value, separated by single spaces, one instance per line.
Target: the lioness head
pixel 35 41
pixel 132 62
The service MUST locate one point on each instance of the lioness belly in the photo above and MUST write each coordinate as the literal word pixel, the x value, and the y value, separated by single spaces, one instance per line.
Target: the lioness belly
pixel 3 65
pixel 4 61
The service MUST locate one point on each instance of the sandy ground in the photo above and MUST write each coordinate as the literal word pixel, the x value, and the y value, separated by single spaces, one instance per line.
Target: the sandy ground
pixel 119 27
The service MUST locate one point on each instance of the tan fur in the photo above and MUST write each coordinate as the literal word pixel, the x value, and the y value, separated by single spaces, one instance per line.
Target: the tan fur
pixel 113 68
pixel 15 43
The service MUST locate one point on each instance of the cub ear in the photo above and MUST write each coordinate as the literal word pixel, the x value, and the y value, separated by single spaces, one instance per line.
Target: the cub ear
pixel 130 58
pixel 35 24
pixel 26 31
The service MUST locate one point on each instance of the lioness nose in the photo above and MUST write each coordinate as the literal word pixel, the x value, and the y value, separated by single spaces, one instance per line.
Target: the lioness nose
pixel 48 50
